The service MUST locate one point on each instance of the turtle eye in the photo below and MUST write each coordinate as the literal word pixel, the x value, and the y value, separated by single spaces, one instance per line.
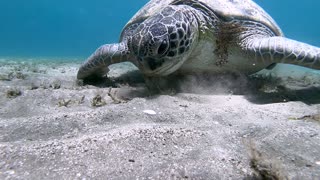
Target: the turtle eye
pixel 164 46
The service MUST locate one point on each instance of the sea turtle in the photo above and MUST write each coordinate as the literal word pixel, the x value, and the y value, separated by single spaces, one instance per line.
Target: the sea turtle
pixel 191 36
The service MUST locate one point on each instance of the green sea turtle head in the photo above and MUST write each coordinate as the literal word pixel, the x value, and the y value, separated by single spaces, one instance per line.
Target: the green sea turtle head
pixel 162 42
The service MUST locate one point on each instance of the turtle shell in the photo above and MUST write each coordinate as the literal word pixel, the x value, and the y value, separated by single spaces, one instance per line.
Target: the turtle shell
pixel 228 9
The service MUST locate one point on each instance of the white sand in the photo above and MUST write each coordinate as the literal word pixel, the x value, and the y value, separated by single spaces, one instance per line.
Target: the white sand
pixel 185 135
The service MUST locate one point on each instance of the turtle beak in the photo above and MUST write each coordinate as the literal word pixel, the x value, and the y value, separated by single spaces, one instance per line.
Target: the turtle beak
pixel 158 67
pixel 153 63
pixel 148 64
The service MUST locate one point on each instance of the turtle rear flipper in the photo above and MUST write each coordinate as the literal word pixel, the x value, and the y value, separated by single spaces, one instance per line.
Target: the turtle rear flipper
pixel 283 50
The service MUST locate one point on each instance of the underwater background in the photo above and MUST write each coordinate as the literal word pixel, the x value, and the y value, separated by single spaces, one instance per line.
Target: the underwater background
pixel 75 28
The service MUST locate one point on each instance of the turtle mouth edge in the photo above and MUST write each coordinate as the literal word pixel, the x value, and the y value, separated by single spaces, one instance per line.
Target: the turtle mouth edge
pixel 161 67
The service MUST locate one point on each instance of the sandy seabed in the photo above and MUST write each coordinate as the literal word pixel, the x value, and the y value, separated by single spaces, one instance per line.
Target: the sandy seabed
pixel 54 127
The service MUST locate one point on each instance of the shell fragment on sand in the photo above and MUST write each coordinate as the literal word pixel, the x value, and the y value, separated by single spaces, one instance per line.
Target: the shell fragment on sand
pixel 150 112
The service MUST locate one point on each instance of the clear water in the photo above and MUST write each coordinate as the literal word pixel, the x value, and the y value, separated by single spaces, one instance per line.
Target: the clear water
pixel 75 28
pixel 59 28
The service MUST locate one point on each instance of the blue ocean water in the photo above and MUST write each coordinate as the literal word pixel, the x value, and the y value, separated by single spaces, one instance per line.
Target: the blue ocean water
pixel 75 28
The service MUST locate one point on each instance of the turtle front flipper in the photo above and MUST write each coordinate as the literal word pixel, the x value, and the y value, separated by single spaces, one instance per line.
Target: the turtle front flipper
pixel 97 64
pixel 283 50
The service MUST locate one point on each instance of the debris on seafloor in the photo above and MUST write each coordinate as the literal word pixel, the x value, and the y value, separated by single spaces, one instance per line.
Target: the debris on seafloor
pixel 64 102
pixel 98 101
pixel 56 84
pixel 315 117
pixel 114 98
pixel 81 101
pixel 13 93
pixel 264 167
pixel 69 102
